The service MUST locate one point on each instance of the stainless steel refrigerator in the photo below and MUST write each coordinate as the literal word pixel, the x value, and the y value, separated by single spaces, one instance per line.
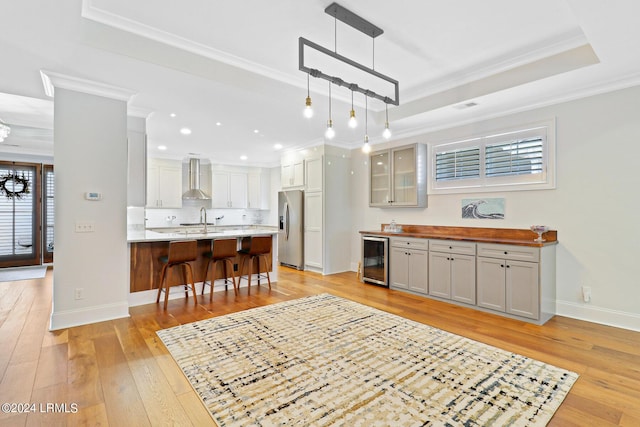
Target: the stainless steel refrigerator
pixel 291 228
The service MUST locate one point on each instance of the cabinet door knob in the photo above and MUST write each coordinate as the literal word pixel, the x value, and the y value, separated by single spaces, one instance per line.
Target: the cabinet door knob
pixel 506 253
pixel 502 265
pixel 508 266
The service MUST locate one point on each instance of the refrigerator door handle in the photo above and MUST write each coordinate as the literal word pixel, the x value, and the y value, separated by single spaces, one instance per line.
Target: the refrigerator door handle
pixel 286 221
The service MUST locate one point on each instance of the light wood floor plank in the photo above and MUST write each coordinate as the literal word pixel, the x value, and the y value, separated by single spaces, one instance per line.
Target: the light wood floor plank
pixel 160 402
pixel 52 366
pixel 121 397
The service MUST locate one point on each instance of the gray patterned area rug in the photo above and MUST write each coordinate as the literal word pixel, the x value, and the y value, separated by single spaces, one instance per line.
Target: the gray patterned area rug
pixel 325 361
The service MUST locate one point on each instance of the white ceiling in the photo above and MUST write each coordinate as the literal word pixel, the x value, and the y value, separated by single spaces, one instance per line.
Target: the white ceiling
pixel 237 63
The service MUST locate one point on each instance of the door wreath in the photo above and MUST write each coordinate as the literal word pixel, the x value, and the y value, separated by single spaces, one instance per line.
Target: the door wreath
pixel 19 185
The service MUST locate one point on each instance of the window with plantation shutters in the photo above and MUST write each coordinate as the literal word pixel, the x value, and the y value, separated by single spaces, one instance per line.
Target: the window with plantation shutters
pixel 516 157
pixel 521 159
pixel 458 164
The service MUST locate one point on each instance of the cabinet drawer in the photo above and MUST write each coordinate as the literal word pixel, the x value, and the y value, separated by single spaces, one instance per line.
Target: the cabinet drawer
pixel 453 247
pixel 410 243
pixel 517 253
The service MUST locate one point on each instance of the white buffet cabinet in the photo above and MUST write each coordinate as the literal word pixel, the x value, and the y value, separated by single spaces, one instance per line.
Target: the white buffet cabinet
pixel 512 280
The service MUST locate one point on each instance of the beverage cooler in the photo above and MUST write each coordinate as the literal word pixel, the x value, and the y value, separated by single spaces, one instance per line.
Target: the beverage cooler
pixel 375 260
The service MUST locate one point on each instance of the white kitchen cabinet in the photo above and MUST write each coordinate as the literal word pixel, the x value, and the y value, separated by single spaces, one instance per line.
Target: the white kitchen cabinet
pixel 409 264
pixel 327 229
pixel 257 190
pixel 314 174
pixel 164 183
pixel 398 177
pixel 229 190
pixel 506 283
pixel 292 174
pixel 313 253
pixel 452 270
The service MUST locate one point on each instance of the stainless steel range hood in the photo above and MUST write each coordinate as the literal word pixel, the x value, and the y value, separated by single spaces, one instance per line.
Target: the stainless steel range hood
pixel 194 192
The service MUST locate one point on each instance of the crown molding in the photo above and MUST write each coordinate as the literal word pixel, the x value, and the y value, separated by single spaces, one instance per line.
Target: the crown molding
pixel 93 13
pixel 52 80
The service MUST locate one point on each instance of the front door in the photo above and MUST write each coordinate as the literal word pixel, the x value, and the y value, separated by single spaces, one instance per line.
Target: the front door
pixel 20 196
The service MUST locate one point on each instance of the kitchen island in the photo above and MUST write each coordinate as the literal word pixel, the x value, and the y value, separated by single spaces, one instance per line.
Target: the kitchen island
pixel 146 246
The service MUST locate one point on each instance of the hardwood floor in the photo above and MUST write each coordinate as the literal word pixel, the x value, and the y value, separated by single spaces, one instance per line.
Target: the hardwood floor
pixel 118 373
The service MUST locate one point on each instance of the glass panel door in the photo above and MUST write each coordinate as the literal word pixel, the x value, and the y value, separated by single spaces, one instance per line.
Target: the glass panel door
pixel 380 179
pixel 19 214
pixel 404 177
pixel 47 213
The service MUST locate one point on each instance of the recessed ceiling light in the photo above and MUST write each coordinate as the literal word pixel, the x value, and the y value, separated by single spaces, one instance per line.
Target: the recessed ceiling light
pixel 172 114
pixel 278 146
pixel 162 147
pixel 256 131
pixel 185 131
pixel 218 124
pixel 243 157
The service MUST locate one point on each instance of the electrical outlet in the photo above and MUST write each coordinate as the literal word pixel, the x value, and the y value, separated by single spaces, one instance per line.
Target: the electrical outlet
pixel 586 293
pixel 85 227
pixel 79 293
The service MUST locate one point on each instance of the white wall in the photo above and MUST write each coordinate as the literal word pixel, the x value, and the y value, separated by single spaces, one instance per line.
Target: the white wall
pixel 594 207
pixel 90 151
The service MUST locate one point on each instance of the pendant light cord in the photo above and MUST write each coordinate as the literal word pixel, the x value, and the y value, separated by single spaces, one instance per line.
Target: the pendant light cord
pixel 366 116
pixel 329 100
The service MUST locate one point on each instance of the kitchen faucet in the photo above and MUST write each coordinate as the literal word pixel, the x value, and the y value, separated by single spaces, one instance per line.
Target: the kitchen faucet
pixel 203 210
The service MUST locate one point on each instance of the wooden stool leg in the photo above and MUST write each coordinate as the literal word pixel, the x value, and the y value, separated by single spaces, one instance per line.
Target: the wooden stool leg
pixel 266 269
pixel 224 271
pixel 213 279
pixel 193 283
pixel 233 277
pixel 164 268
pixel 166 291
pixel 250 271
pixel 204 280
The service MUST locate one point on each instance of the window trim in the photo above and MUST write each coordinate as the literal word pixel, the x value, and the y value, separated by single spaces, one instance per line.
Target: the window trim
pixel 481 184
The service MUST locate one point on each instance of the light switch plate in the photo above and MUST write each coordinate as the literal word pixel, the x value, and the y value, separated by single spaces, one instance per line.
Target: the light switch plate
pixel 85 227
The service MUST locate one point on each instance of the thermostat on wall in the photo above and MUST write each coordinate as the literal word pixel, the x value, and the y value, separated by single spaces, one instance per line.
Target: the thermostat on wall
pixel 93 196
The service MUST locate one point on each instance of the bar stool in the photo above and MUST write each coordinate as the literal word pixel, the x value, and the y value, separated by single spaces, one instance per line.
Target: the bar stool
pixel 225 251
pixel 258 249
pixel 180 253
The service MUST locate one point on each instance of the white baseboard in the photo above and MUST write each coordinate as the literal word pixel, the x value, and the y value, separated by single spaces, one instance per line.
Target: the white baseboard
pixel 604 316
pixel 86 315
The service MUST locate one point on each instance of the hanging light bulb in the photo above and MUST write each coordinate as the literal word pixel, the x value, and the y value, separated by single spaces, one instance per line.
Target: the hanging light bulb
pixel 386 132
pixel 330 133
pixel 353 122
pixel 366 148
pixel 308 111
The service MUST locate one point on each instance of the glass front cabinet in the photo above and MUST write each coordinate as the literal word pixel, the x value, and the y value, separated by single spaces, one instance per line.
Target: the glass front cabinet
pixel 398 177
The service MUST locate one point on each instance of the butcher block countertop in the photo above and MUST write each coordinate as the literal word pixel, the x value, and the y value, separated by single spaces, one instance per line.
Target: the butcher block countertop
pixel 507 236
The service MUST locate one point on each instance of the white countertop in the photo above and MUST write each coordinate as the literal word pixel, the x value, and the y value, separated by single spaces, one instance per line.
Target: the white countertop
pixel 134 236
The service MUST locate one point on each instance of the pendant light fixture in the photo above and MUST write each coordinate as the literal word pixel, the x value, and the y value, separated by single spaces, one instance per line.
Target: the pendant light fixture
pixel 386 132
pixel 366 148
pixel 330 133
pixel 353 122
pixel 389 90
pixel 308 111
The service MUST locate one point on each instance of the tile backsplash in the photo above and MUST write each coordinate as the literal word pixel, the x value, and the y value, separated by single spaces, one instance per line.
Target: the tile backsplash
pixel 174 217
